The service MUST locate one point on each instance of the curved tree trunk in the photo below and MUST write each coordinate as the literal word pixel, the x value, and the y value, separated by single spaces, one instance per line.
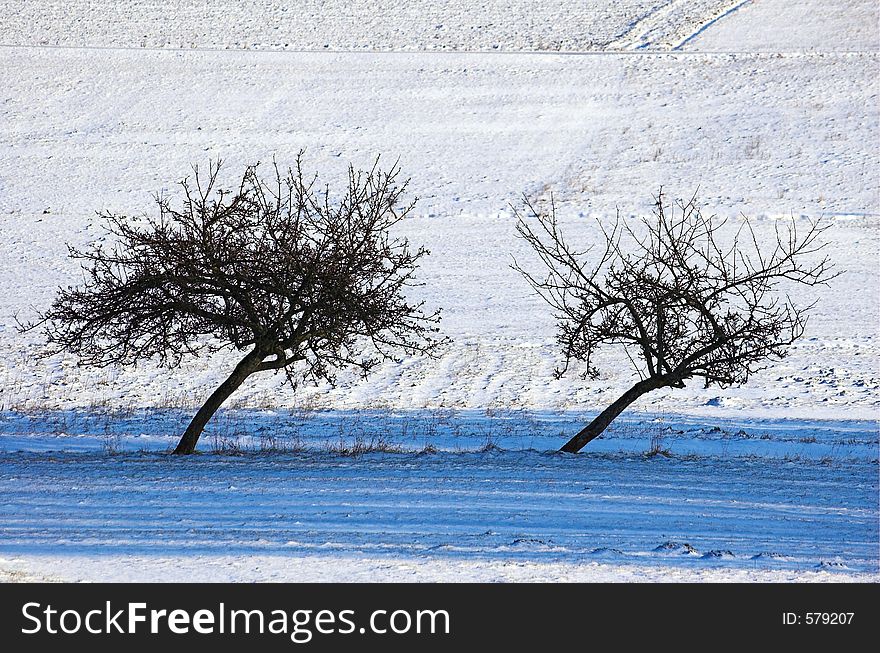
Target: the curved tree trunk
pixel 595 428
pixel 247 366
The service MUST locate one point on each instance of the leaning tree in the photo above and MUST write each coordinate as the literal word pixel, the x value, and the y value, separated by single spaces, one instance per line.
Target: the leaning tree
pixel 685 296
pixel 302 282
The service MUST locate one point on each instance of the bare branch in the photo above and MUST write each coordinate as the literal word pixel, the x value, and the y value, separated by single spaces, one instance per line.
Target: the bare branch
pixel 665 288
pixel 302 280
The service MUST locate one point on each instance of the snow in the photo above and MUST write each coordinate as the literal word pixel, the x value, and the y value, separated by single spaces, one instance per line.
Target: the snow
pixel 364 569
pixel 518 515
pixel 508 25
pixel 793 25
pixel 765 135
pixel 453 25
pixel 440 496
pixel 768 107
pixel 444 429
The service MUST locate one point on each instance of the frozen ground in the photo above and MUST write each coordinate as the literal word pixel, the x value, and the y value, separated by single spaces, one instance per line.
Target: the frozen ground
pixel 770 107
pixel 358 24
pixel 763 501
pixel 792 25
pixel 767 135
pixel 492 25
pixel 366 569
pixel 415 431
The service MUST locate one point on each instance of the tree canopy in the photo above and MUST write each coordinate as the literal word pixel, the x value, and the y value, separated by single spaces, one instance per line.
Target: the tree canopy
pixel 684 294
pixel 304 281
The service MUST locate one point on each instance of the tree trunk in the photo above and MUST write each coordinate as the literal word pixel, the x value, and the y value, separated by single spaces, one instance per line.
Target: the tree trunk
pixel 247 366
pixel 595 428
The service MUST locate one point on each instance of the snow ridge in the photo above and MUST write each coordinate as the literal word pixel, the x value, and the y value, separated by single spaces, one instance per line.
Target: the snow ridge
pixel 672 24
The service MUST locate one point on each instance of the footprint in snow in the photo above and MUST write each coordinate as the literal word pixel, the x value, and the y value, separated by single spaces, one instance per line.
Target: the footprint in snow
pixel 606 552
pixel 682 548
pixel 831 564
pixel 718 554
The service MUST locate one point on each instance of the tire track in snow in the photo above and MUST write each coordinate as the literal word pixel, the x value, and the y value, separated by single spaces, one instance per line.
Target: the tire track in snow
pixel 334 24
pixel 712 22
pixel 673 24
pixel 511 506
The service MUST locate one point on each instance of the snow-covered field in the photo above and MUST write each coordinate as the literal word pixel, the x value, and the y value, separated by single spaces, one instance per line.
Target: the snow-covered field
pixel 765 121
pixel 726 505
pixel 492 25
pixel 359 24
pixel 765 135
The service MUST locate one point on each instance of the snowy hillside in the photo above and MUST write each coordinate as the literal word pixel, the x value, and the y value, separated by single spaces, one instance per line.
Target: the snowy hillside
pixel 494 25
pixel 793 26
pixel 359 24
pixel 766 108
pixel 765 135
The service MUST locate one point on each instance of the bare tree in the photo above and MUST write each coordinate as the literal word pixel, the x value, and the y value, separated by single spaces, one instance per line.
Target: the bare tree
pixel 680 302
pixel 276 268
